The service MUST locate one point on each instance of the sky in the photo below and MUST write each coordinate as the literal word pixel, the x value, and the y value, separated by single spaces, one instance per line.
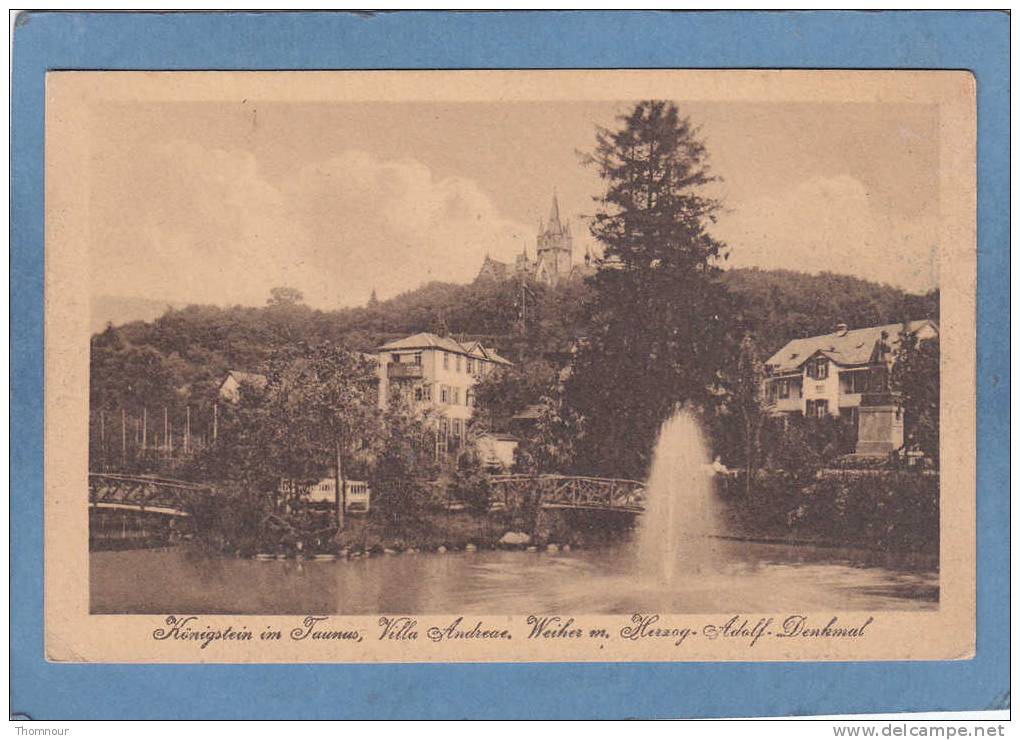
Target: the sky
pixel 219 202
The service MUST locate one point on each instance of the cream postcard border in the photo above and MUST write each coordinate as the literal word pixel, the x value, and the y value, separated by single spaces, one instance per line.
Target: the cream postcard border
pixel 72 634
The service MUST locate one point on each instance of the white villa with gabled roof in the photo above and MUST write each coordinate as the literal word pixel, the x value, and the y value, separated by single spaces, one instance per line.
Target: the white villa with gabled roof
pixel 845 374
pixel 437 373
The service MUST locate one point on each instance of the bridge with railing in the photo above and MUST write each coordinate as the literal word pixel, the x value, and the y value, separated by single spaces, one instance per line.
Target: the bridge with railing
pixel 150 494
pixel 143 493
pixel 569 492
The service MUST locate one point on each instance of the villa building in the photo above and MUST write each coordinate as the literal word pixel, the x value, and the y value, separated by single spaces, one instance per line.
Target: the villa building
pixel 436 373
pixel 844 374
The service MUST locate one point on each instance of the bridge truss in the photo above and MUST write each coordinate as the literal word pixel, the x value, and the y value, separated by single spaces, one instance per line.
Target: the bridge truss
pixel 144 493
pixel 569 492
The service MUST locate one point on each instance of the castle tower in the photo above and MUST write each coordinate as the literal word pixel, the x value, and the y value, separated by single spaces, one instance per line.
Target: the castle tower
pixel 555 248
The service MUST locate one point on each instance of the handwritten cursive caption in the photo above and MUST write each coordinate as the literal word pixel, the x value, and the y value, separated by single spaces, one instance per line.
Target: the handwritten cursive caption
pixel 746 630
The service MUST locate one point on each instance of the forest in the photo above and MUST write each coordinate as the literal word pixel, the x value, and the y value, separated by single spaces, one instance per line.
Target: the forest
pixel 659 325
pixel 601 362
pixel 185 353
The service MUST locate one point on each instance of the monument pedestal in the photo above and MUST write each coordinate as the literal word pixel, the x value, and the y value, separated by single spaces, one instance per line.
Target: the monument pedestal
pixel 880 425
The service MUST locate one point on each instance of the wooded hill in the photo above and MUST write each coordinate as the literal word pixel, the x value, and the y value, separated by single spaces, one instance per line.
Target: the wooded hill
pixel 183 354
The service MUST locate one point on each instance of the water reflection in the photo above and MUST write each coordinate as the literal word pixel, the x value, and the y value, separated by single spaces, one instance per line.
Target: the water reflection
pixel 748 577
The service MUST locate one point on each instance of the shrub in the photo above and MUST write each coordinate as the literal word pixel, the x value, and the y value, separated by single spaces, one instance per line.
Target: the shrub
pixel 233 520
pixel 883 509
pixel 470 483
pixel 804 444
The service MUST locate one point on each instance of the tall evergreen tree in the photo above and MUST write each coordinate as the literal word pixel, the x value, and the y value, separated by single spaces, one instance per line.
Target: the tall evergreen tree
pixel 657 329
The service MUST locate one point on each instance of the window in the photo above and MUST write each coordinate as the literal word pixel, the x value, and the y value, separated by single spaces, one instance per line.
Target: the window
pixel 446 361
pixel 819 369
pixel 426 392
pixel 784 388
pixel 419 393
pixel 457 429
pixel 458 363
pixel 471 366
pixel 444 394
pixel 395 357
pixel 455 397
pixel 417 359
pixel 817 408
pixel 469 398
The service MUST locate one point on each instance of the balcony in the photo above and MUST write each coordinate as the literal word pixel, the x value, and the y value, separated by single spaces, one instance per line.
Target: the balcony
pixel 404 371
pixel 787 405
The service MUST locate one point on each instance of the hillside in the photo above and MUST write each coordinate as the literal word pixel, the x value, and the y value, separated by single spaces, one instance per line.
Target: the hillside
pixel 184 352
pixel 779 305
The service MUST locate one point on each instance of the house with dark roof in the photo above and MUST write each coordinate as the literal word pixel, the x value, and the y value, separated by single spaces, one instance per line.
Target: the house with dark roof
pixel 230 386
pixel 844 374
pixel 436 373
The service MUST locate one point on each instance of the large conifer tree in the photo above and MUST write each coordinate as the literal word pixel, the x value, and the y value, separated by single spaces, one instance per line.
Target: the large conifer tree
pixel 658 324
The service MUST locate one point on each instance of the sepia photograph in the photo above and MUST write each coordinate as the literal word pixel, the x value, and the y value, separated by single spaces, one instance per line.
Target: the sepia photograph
pixel 509 364
pixel 534 354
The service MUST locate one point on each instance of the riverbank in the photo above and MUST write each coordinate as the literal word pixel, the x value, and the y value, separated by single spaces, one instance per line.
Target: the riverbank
pixel 878 510
pixel 453 530
pixel 885 510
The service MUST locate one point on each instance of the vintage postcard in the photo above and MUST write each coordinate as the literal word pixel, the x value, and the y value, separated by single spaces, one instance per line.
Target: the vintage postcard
pixel 445 366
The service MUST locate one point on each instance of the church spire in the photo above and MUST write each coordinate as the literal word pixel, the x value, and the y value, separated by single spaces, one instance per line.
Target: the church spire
pixel 554 214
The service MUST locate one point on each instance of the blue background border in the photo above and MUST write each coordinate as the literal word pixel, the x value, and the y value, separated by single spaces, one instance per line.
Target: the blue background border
pixel 955 40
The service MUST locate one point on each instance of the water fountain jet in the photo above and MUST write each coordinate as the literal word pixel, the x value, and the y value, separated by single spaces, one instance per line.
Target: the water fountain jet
pixel 680 508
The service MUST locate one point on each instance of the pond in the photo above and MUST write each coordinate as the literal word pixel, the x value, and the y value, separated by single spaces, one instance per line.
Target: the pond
pixel 730 575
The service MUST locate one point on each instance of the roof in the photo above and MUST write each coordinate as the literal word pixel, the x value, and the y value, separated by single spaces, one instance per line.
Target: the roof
pixel 554 217
pixel 498 437
pixel 256 379
pixel 495 268
pixel 490 354
pixel 855 347
pixel 529 413
pixel 427 340
pixel 581 270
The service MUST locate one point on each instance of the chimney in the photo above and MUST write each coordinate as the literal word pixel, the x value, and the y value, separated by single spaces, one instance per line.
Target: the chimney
pixel 841 329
